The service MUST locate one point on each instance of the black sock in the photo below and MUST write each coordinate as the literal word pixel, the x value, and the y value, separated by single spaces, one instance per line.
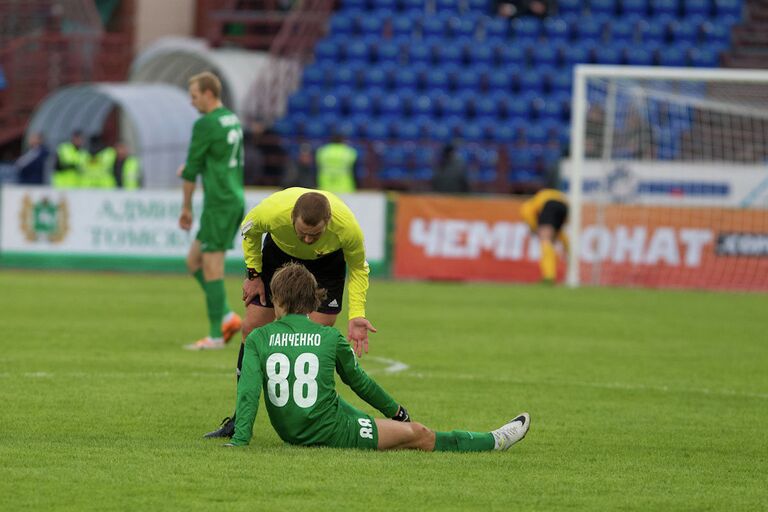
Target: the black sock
pixel 240 360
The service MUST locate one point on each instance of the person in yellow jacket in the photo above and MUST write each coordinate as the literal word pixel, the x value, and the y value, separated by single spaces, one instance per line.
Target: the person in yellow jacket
pixel 545 213
pixel 97 168
pixel 336 166
pixel 70 157
pixel 126 170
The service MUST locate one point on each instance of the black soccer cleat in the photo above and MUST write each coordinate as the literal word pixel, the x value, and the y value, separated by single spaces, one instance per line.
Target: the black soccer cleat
pixel 227 428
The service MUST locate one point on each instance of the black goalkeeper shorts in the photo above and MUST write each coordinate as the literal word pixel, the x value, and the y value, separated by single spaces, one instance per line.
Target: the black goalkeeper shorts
pixel 330 272
pixel 554 213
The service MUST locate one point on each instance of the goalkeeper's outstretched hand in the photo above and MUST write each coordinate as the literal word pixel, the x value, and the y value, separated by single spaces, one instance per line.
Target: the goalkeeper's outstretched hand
pixel 402 415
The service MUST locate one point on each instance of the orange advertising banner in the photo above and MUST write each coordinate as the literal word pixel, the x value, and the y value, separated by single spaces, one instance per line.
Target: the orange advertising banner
pixel 486 239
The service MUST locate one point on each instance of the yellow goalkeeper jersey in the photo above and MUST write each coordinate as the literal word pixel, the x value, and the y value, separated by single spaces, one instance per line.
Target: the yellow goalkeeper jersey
pixel 273 216
pixel 531 208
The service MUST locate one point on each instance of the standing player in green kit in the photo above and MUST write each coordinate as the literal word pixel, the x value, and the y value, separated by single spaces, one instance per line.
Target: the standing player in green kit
pixel 294 360
pixel 216 153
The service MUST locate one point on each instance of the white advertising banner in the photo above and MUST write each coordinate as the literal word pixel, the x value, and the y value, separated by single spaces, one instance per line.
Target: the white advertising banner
pixel 719 184
pixel 41 220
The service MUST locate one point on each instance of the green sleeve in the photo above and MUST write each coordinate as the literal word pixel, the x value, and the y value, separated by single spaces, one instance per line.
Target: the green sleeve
pixel 198 147
pixel 248 391
pixel 356 378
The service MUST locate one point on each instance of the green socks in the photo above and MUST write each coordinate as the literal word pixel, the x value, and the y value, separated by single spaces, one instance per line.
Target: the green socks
pixel 216 300
pixel 463 441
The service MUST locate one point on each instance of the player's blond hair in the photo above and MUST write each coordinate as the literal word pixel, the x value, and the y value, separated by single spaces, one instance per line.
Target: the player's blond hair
pixel 207 81
pixel 295 289
pixel 312 208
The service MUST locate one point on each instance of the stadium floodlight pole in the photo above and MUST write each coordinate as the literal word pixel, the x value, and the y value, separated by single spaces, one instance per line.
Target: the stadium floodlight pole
pixel 582 74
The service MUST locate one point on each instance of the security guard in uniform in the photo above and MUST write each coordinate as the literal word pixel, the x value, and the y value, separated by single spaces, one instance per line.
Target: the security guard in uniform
pixel 336 166
pixel 70 157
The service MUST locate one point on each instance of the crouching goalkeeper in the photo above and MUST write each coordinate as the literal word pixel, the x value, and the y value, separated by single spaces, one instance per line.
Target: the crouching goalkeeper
pixel 293 359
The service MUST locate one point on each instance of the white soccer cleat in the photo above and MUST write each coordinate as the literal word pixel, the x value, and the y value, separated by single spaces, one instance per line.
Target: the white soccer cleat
pixel 512 432
pixel 206 343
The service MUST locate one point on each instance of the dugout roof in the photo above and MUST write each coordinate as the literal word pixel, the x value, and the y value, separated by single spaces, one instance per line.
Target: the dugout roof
pixel 155 121
pixel 173 60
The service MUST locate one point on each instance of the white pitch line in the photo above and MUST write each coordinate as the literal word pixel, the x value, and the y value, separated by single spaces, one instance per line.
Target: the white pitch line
pixel 394 366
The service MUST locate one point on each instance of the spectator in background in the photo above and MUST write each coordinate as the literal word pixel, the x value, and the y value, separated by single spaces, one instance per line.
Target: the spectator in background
pixel 301 172
pixel 336 166
pixel 266 146
pixel 31 166
pixel 450 176
pixel 515 8
pixel 70 157
pixel 98 165
pixel 126 170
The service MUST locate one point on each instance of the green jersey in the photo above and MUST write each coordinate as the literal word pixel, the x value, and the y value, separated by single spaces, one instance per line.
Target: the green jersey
pixel 216 152
pixel 294 360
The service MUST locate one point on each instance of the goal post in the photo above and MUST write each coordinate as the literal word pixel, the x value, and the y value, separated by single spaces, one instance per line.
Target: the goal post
pixel 668 177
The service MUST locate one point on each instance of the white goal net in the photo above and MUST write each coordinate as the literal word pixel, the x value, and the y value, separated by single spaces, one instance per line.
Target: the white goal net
pixel 668 178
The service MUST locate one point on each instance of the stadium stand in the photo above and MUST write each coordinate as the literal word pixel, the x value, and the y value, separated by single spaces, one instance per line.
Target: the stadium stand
pixel 422 72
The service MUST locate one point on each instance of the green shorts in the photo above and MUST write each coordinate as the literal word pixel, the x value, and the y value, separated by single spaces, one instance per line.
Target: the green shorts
pixel 218 227
pixel 354 429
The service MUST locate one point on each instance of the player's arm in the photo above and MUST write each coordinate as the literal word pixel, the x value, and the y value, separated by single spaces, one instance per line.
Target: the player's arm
pixel 252 229
pixel 528 213
pixel 248 391
pixel 364 386
pixel 194 166
pixel 354 254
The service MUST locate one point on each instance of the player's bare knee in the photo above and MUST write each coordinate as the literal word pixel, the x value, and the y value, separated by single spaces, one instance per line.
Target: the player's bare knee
pixel 423 437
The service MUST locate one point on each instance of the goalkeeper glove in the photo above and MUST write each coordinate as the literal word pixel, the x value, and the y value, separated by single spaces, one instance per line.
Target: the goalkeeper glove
pixel 402 415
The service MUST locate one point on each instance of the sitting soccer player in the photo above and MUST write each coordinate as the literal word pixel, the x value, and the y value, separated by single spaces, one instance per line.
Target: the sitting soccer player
pixel 294 360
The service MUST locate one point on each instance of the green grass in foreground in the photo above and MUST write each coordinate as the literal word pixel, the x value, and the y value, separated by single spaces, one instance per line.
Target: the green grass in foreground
pixel 640 400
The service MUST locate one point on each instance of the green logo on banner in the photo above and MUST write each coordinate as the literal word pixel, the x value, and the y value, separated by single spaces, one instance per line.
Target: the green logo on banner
pixel 44 220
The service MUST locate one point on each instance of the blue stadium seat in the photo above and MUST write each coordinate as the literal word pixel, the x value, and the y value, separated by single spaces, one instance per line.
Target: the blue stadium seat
pixel 386 52
pixel 343 24
pixel 354 5
pixel 391 106
pixel 314 75
pixel 357 52
pixel 402 26
pixel 376 77
pixel 315 129
pixel 453 107
pixel 603 7
pixel 732 8
pixel 371 25
pixel 405 131
pixel 635 55
pixel 485 107
pixel 512 54
pixel 376 130
pixel 653 31
pixel 636 7
pixel 570 7
pixel 519 107
pixel 544 54
pixel 447 54
pixel 472 132
pixel 422 106
pixel 697 8
pixel 578 52
pixel 591 29
pixel 300 103
pixel 419 54
pixel 440 132
pixel 531 80
pixel 468 81
pixel 480 54
pixel 464 26
pixel 674 55
pixel 608 55
pixel 556 30
pixel 562 81
pixel 437 79
pixel 448 6
pixel 705 56
pixel 433 27
pixel 668 7
pixel 713 32
pixel 685 31
pixel 622 30
pixel 329 104
pixel 496 29
pixel 327 51
pixel 526 29
pixel 345 76
pixel 360 104
pixel 500 80
pixel 413 6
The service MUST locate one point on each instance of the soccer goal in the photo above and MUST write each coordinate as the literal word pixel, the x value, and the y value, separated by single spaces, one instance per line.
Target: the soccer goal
pixel 668 178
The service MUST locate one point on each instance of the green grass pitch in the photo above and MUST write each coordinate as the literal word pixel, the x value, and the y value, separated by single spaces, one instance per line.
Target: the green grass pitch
pixel 640 400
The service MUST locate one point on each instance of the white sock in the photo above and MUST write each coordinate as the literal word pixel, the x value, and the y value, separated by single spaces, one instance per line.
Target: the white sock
pixel 228 317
